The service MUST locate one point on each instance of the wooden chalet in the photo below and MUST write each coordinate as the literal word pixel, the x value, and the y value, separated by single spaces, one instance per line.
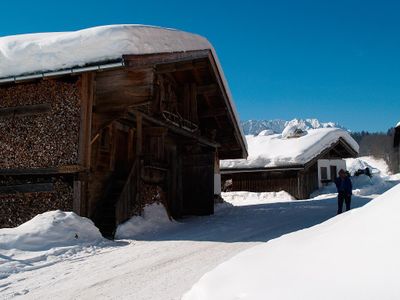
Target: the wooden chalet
pixel 298 179
pixel 105 140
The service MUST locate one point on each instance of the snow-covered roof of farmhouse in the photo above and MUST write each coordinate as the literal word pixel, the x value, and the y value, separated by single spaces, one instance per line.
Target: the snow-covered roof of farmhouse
pixel 269 151
pixel 41 52
pixel 46 52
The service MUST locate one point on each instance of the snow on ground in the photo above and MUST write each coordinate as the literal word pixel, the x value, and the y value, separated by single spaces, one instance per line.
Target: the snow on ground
pixel 45 240
pixel 274 150
pixel 352 256
pixel 164 264
pixel 249 198
pixel 153 219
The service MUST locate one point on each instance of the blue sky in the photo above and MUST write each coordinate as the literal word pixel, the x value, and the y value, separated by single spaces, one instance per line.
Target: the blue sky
pixel 333 60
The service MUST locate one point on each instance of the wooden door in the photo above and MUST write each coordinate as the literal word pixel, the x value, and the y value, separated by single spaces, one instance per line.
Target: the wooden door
pixel 121 153
pixel 198 183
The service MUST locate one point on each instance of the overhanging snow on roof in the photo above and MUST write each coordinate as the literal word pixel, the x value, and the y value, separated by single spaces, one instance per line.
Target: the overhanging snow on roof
pixel 273 151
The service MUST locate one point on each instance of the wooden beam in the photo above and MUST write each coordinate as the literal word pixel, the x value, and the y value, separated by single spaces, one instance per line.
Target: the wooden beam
pixel 87 95
pixel 139 132
pixel 25 110
pixel 181 66
pixel 228 104
pixel 68 169
pixel 178 130
pixel 85 137
pixel 212 113
pixel 27 188
pixel 143 60
pixel 208 89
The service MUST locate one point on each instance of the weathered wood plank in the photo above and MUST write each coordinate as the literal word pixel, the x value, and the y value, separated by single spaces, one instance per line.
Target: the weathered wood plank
pixel 140 61
pixel 87 94
pixel 71 169
pixel 25 110
pixel 27 188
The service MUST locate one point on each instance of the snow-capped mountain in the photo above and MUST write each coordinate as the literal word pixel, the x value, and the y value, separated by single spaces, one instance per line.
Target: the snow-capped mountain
pixel 254 127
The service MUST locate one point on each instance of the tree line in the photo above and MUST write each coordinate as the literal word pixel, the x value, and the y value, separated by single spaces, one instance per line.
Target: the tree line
pixel 377 144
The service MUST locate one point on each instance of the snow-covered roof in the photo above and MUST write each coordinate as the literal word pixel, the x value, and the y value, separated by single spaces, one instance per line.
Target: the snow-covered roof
pixel 398 125
pixel 43 52
pixel 275 151
pixel 39 52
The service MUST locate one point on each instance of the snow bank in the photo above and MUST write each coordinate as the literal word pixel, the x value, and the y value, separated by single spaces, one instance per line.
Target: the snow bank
pixel 274 150
pixel 48 230
pixel 153 219
pixel 250 198
pixel 352 256
pixel 363 185
pixel 31 53
pixel 376 165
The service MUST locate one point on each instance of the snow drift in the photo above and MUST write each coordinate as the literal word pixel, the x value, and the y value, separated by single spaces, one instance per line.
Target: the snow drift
pixel 48 230
pixel 250 198
pixel 363 185
pixel 274 150
pixel 153 219
pixel 352 256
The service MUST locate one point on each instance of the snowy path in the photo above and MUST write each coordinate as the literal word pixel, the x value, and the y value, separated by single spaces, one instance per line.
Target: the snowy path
pixel 165 265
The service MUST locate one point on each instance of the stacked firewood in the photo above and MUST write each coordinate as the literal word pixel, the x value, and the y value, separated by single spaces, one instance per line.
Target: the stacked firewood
pixel 16 209
pixel 149 194
pixel 41 140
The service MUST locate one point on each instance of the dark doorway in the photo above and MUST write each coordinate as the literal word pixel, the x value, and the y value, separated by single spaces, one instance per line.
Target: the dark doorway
pixel 198 183
pixel 121 154
pixel 333 173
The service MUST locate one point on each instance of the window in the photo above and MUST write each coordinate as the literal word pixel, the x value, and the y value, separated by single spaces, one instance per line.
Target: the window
pixel 324 173
pixel 334 173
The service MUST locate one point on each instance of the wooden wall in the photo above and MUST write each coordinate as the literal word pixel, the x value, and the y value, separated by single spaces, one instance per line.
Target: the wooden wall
pixel 139 157
pixel 264 181
pixel 300 184
pixel 308 181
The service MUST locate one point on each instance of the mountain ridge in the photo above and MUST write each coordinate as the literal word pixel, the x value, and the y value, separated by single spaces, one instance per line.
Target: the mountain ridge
pixel 254 127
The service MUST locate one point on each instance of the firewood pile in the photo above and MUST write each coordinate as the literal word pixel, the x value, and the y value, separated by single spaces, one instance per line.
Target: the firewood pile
pixel 42 140
pixel 149 194
pixel 16 209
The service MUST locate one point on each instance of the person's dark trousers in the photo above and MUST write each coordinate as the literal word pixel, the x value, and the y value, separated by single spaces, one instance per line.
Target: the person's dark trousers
pixel 342 197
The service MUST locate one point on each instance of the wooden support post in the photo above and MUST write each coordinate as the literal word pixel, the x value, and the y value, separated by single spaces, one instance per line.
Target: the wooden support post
pixel 193 103
pixel 139 136
pixel 86 103
pixel 139 149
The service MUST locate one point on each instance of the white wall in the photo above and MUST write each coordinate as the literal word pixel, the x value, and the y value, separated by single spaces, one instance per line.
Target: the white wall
pixel 339 163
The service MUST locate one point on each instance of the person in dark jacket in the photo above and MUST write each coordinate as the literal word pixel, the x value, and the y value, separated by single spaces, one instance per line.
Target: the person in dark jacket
pixel 345 190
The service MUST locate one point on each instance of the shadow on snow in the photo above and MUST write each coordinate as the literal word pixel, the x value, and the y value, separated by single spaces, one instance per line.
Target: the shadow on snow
pixel 252 223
